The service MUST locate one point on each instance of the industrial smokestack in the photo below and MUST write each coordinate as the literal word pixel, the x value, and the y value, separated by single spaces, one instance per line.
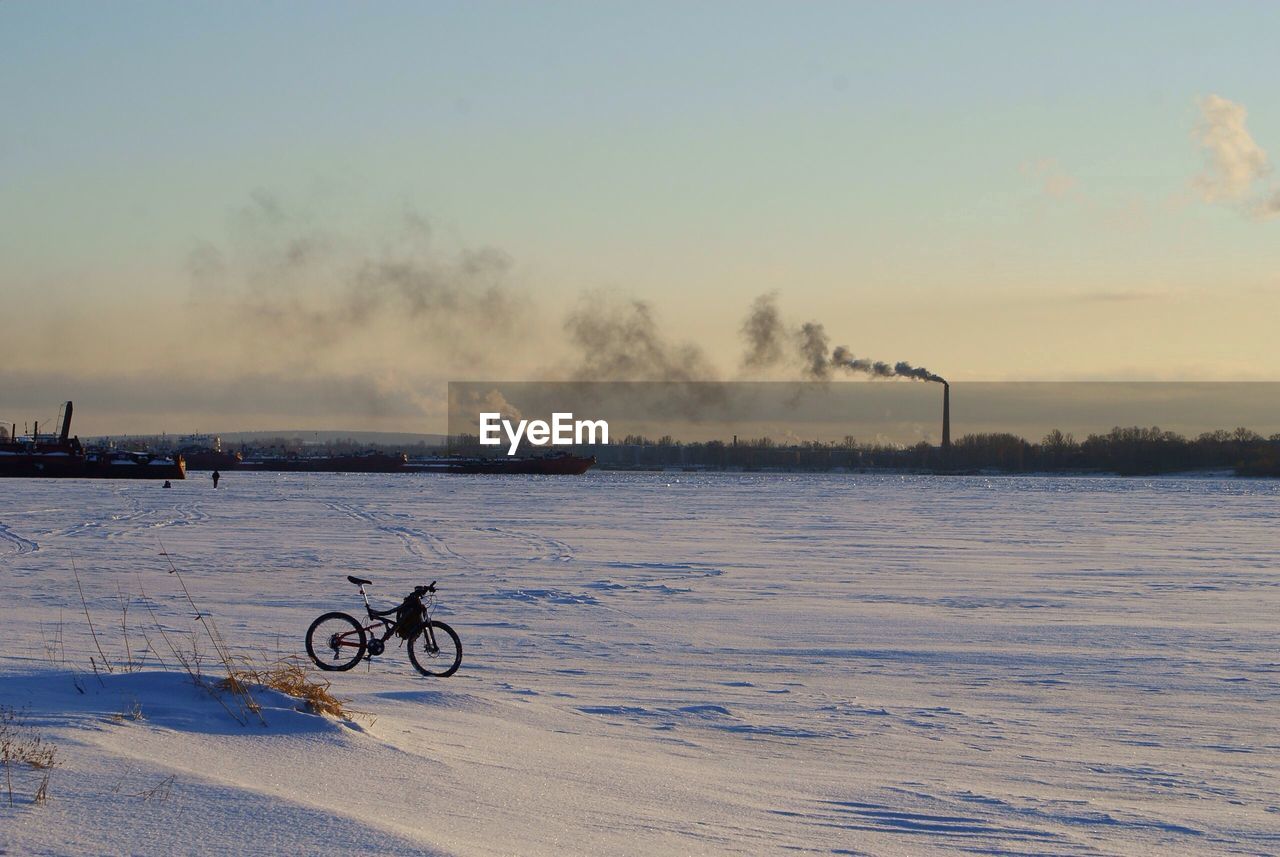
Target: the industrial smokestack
pixel 66 424
pixel 946 417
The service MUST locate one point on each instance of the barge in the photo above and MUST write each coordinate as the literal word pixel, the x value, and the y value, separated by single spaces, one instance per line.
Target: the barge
pixel 62 456
pixel 555 464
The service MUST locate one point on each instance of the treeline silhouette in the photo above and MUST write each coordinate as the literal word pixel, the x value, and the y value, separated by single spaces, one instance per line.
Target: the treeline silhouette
pixel 1128 451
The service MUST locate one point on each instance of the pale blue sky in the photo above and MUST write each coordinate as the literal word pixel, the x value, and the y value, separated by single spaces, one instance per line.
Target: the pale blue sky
pixel 889 168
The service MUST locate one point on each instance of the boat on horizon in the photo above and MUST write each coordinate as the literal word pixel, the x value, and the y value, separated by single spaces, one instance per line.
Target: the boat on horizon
pixel 368 462
pixel 555 464
pixel 62 456
pixel 205 452
pixel 552 464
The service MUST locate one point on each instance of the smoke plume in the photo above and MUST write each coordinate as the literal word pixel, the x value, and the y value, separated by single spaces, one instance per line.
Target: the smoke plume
pixel 813 342
pixel 622 342
pixel 303 291
pixel 903 369
pixel 843 358
pixel 765 333
pixel 767 340
pixel 151 400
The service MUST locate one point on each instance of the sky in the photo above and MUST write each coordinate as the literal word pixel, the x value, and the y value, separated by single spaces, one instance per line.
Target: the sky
pixel 237 216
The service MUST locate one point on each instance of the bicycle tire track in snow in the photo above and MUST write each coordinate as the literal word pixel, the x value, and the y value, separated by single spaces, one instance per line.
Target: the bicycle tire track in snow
pixel 19 544
pixel 543 548
pixel 417 543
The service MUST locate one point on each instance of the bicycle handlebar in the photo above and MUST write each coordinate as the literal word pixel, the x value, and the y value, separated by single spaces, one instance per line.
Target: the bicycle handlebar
pixel 420 591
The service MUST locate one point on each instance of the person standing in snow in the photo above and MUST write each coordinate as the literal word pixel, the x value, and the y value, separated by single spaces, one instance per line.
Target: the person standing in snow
pixel 216 477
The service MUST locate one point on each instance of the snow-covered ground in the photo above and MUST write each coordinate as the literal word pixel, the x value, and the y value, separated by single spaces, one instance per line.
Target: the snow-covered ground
pixel 666 664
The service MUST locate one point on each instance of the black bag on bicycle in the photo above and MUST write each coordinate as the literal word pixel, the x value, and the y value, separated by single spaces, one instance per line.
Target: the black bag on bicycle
pixel 409 615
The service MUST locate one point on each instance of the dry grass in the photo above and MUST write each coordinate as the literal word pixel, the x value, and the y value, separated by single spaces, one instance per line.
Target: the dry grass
pixel 292 678
pixel 243 704
pixel 197 650
pixel 21 745
pixel 160 791
pixel 133 713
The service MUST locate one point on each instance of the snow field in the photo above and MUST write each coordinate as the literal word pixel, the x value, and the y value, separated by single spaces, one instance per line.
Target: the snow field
pixel 666 663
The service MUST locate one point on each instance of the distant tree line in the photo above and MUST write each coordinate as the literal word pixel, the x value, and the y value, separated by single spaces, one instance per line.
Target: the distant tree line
pixel 1127 451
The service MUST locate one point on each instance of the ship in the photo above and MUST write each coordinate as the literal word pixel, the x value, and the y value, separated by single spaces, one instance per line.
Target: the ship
pixel 124 464
pixel 558 464
pixel 205 452
pixel 369 462
pixel 62 456
pixel 555 464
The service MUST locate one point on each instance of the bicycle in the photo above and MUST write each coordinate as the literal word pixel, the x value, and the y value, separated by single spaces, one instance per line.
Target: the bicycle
pixel 434 647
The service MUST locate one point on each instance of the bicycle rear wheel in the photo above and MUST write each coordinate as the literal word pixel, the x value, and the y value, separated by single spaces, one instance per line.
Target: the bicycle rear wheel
pixel 336 641
pixel 441 659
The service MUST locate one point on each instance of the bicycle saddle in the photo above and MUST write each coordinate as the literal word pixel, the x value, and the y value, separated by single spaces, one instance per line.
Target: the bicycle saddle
pixel 359 581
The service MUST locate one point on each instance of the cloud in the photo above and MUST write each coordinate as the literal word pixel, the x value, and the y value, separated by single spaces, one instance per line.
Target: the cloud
pixel 1054 181
pixel 1111 297
pixel 1234 162
pixel 1268 206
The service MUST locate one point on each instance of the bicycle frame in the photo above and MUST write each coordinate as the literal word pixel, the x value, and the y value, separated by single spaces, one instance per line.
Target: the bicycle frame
pixel 389 626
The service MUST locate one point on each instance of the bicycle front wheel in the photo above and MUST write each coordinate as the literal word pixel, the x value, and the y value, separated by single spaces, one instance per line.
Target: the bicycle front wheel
pixel 336 641
pixel 436 650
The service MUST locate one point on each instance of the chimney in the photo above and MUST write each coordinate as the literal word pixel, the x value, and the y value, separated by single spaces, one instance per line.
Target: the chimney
pixel 946 416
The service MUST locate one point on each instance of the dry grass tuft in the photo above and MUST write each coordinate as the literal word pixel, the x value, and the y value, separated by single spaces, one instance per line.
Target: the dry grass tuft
pixel 190 650
pixel 20 744
pixel 292 678
pixel 160 791
pixel 133 713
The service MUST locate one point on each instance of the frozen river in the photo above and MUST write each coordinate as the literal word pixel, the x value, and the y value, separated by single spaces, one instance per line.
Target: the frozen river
pixel 675 664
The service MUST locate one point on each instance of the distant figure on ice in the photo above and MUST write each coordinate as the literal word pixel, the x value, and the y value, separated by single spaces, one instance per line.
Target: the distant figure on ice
pixel 216 477
pixel 167 484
